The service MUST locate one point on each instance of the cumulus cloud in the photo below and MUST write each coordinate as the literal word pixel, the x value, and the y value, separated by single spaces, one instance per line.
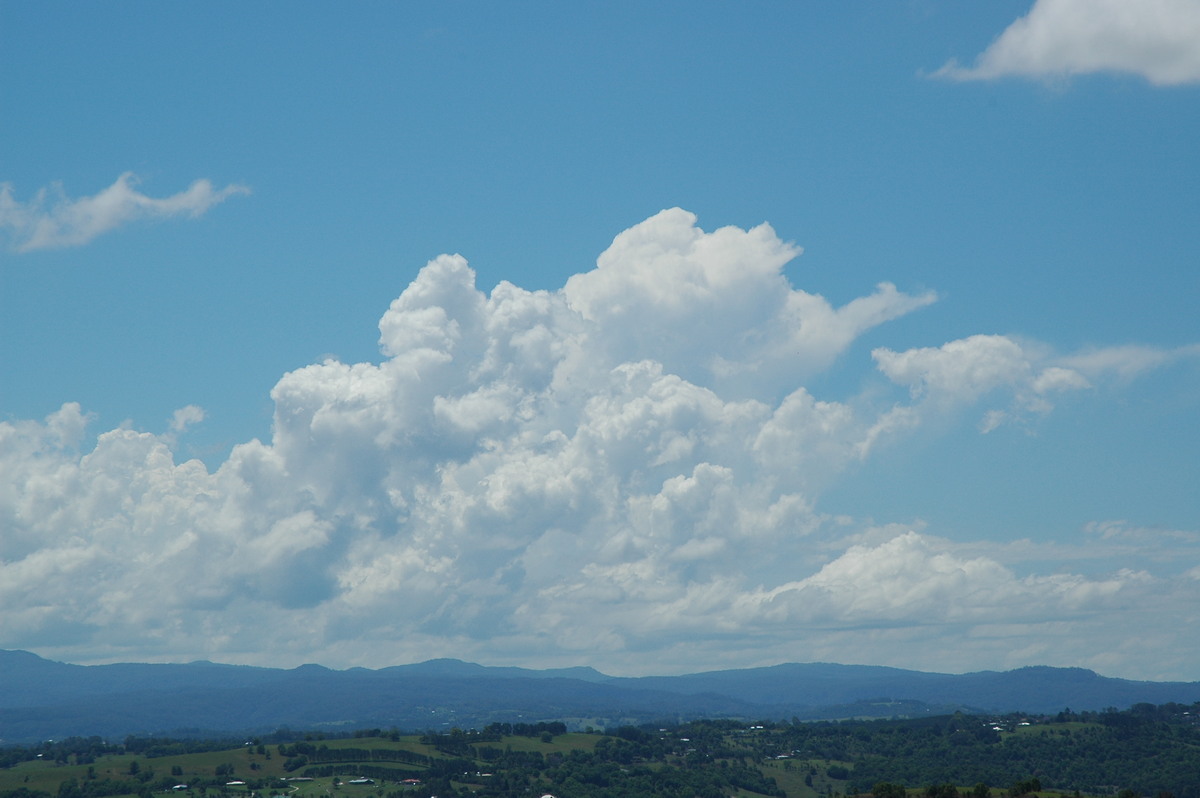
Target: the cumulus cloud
pixel 718 308
pixel 53 220
pixel 1158 40
pixel 629 464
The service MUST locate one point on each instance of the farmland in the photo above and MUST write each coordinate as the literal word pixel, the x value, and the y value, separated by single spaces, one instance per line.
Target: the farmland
pixel 1144 751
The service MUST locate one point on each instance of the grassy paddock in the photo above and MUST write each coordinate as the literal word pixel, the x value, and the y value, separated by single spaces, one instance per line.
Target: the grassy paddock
pixel 249 765
pixel 572 741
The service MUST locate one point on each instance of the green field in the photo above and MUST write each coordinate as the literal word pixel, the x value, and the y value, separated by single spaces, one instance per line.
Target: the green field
pixel 263 768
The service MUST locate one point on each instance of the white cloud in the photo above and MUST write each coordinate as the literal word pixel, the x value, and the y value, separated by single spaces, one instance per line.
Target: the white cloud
pixel 184 417
pixel 960 371
pixel 1126 362
pixel 1122 530
pixel 963 372
pixel 716 308
pixel 1158 40
pixel 917 580
pixel 534 473
pixel 52 220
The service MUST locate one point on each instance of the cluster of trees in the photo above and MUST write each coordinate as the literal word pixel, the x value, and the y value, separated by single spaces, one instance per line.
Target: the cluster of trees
pixel 540 729
pixel 886 789
pixel 1148 752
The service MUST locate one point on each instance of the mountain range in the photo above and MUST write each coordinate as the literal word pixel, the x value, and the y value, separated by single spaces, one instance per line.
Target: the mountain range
pixel 41 699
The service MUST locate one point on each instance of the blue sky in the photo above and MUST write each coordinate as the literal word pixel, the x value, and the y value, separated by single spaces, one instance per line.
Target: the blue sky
pixel 941 413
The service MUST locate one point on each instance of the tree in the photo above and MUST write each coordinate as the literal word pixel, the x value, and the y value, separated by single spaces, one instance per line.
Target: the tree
pixel 1025 787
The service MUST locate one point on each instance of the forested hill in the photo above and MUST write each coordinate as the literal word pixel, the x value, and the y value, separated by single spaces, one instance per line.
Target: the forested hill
pixel 41 699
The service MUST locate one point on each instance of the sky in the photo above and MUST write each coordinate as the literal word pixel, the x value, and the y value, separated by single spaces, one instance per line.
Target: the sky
pixel 660 338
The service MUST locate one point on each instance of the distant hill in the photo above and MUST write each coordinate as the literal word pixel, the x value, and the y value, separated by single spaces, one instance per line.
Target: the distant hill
pixel 41 699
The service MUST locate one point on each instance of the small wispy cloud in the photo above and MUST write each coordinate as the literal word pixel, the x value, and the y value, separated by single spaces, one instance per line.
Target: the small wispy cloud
pixel 961 373
pixel 1158 40
pixel 52 220
pixel 1127 362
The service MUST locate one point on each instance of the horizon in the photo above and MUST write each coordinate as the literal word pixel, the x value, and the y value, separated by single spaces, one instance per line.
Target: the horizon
pixel 531 668
pixel 674 338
